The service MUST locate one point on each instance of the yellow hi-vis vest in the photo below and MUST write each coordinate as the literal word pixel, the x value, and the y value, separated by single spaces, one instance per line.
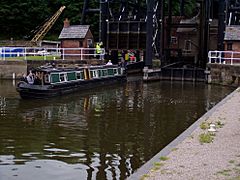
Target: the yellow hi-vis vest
pixel 98 49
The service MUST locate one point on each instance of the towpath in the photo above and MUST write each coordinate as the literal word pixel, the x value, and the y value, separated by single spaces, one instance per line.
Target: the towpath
pixel 191 157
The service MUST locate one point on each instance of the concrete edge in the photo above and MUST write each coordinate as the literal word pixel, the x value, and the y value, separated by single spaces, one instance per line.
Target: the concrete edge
pixel 165 151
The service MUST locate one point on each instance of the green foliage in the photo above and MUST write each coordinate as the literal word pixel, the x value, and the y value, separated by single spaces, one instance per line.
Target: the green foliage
pixel 144 176
pixel 174 149
pixel 204 125
pixel 20 18
pixel 225 172
pixel 163 158
pixel 205 138
pixel 219 124
pixel 231 161
pixel 157 166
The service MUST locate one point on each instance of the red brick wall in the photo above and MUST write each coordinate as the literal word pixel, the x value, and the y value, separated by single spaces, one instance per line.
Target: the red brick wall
pixel 88 36
pixel 69 43
pixel 75 43
pixel 235 48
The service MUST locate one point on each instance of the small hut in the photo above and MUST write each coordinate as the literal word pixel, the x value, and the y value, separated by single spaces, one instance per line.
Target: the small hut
pixel 75 36
pixel 232 38
pixel 232 42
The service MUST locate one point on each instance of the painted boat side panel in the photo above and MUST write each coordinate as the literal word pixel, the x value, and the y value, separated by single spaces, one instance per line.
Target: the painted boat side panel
pixel 27 91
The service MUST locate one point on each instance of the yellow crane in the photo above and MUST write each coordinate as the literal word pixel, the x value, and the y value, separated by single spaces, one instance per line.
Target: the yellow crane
pixel 47 26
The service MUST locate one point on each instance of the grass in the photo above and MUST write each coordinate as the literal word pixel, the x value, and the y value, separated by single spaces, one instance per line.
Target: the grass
pixel 144 176
pixel 231 161
pixel 236 178
pixel 163 158
pixel 237 170
pixel 32 58
pixel 205 138
pixel 157 166
pixel 225 172
pixel 219 124
pixel 204 125
pixel 174 149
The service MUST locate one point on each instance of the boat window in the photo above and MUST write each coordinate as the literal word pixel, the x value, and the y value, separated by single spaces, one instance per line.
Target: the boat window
pixel 46 78
pixel 110 72
pixel 115 71
pixel 99 73
pixel 94 73
pixel 80 75
pixel 54 78
pixel 104 72
pixel 71 76
pixel 91 74
pixel 62 77
pixel 119 71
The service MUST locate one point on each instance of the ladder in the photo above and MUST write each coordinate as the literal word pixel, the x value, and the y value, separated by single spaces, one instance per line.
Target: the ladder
pixel 47 26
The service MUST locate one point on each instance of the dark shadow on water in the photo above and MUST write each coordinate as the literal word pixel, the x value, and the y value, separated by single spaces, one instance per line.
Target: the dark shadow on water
pixel 103 133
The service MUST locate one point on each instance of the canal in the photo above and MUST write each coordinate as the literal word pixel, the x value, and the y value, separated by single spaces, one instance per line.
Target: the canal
pixel 105 133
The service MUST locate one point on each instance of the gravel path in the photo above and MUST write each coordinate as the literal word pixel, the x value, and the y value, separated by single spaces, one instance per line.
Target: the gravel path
pixel 219 159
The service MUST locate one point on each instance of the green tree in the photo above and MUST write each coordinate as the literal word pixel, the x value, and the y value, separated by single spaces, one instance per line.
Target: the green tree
pixel 19 17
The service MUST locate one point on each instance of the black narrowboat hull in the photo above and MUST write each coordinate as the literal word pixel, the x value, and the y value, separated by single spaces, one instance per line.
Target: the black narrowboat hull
pixel 136 67
pixel 28 91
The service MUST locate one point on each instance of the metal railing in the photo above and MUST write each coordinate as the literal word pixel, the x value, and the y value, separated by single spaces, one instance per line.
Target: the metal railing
pixel 38 53
pixel 224 57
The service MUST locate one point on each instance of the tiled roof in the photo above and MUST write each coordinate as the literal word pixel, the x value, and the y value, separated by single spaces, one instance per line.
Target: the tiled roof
pixel 74 32
pixel 194 20
pixel 232 33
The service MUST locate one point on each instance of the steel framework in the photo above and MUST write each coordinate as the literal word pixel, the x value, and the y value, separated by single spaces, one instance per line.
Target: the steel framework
pixel 159 24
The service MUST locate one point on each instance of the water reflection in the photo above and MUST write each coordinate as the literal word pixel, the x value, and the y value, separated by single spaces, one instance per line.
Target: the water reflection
pixel 100 134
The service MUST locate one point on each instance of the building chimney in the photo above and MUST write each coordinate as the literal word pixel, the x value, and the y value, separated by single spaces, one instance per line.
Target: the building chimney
pixel 66 23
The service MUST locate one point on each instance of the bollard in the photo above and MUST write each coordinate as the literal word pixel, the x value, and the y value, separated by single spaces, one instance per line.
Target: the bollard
pixel 14 76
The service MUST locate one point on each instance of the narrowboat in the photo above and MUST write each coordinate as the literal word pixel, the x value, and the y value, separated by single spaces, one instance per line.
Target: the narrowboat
pixel 51 81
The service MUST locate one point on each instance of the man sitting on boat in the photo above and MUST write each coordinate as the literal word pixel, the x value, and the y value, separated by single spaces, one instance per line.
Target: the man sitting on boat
pixel 30 78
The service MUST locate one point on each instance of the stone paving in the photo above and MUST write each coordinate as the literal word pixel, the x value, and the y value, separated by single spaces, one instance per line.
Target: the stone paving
pixel 214 156
pixel 194 158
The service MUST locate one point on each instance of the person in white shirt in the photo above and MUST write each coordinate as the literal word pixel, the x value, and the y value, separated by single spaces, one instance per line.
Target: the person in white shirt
pixel 30 78
pixel 109 63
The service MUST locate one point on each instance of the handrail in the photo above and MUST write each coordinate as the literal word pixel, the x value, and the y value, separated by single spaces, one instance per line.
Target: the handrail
pixel 224 57
pixel 59 53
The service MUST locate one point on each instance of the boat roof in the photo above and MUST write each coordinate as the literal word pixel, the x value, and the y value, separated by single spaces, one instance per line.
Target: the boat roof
pixel 50 68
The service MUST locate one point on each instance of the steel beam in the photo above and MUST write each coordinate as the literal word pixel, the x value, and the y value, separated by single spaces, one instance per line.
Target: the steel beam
pixel 149 42
pixel 221 24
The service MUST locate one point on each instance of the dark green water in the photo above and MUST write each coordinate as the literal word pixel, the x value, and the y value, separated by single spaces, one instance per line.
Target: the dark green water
pixel 106 133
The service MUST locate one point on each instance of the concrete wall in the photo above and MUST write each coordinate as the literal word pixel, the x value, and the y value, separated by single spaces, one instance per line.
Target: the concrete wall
pixel 224 74
pixel 8 68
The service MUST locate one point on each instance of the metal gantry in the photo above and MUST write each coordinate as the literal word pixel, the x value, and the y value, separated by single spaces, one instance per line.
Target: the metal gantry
pixel 136 22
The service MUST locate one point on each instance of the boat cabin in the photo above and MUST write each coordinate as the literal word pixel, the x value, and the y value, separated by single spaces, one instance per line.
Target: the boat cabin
pixel 65 75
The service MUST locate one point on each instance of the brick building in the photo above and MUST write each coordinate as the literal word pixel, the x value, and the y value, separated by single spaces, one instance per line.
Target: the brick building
pixel 75 36
pixel 232 42
pixel 232 38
